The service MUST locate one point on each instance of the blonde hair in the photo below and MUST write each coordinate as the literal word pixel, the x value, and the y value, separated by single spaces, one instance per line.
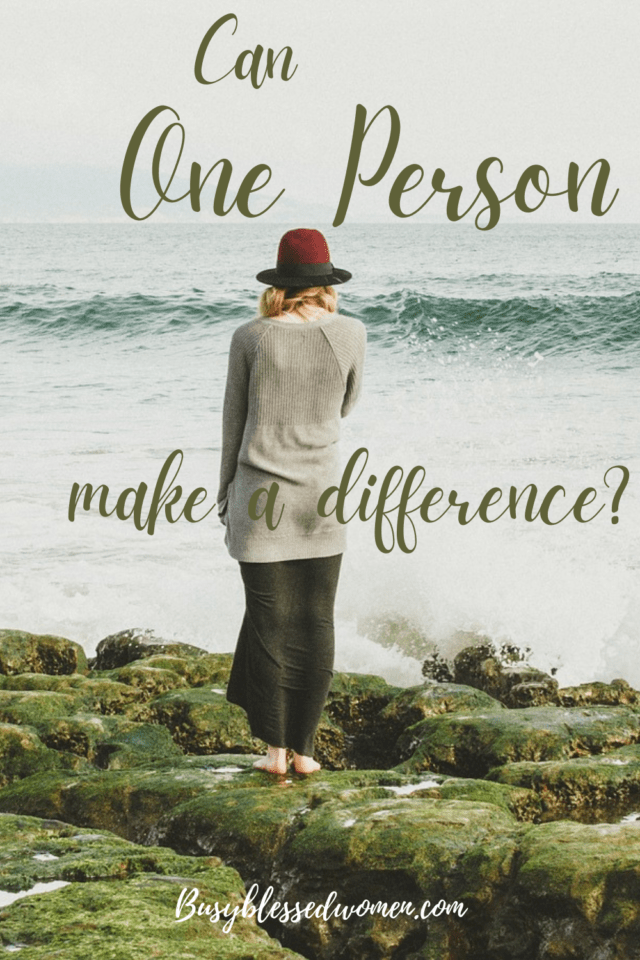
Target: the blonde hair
pixel 275 301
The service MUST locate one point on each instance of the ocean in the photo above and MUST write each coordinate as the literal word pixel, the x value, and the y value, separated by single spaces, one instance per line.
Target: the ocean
pixel 495 359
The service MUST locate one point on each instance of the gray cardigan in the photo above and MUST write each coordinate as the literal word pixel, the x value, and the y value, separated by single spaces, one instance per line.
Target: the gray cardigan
pixel 288 384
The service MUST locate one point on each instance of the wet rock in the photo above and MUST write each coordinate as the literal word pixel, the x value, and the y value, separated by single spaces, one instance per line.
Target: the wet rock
pixel 471 745
pixel 515 683
pixel 588 789
pixel 334 750
pixel 201 720
pixel 128 802
pixel 431 699
pixel 110 698
pixel 373 835
pixel 22 753
pixel 151 681
pixel 131 802
pixel 581 887
pixel 171 672
pixel 524 804
pixel 108 742
pixel 124 647
pixel 355 704
pixel 120 898
pixel 616 693
pixel 210 668
pixel 102 696
pixel 31 706
pixel 22 652
pixel 521 900
pixel 42 681
pixel 309 843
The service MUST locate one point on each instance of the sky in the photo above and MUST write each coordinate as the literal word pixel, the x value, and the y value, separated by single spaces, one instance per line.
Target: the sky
pixel 542 82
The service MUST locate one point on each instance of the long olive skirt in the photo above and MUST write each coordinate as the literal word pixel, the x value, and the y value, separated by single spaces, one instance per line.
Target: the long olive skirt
pixel 283 664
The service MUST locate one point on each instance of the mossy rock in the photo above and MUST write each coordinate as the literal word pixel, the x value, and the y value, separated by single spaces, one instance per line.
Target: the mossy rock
pixel 431 699
pixel 31 706
pixel 589 873
pixel 312 839
pixel 22 754
pixel 616 693
pixel 119 649
pixel 333 749
pixel 254 825
pixel 110 698
pixel 201 720
pixel 587 789
pixel 108 742
pixel 151 681
pixel 121 898
pixel 355 703
pixel 248 826
pixel 135 920
pixel 361 686
pixel 511 680
pixel 94 694
pixel 158 674
pixel 473 744
pixel 66 683
pixel 522 803
pixel 424 839
pixel 210 668
pixel 130 801
pixel 126 802
pixel 34 850
pixel 37 703
pixel 22 652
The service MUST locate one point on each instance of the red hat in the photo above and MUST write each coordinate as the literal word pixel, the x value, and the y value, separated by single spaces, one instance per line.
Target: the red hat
pixel 303 261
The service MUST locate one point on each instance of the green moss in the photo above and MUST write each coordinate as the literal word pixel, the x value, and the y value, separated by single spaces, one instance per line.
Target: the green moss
pixel 22 754
pixel 121 901
pixel 472 745
pixel 618 692
pixel 152 681
pixel 592 868
pixel 109 742
pixel 361 685
pixel 124 647
pixel 203 721
pixel 587 789
pixel 31 706
pixel 433 699
pixel 22 652
pixel 133 920
pixel 44 681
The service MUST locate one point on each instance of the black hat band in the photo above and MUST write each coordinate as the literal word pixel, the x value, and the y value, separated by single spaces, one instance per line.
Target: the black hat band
pixel 304 269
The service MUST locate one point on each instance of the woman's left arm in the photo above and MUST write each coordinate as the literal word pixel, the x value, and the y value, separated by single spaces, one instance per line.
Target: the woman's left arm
pixel 234 416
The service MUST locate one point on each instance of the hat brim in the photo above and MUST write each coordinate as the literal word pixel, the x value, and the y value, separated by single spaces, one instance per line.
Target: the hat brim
pixel 275 279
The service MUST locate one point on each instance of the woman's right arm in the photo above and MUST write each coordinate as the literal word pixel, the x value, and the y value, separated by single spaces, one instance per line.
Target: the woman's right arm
pixel 234 416
pixel 354 374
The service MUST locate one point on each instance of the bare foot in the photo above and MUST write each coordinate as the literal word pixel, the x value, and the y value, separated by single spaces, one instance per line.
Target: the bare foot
pixel 274 762
pixel 304 764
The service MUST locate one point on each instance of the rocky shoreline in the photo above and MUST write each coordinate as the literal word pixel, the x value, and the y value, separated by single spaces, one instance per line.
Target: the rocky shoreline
pixel 129 778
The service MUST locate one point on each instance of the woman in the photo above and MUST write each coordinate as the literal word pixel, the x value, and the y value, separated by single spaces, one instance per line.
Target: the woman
pixel 293 372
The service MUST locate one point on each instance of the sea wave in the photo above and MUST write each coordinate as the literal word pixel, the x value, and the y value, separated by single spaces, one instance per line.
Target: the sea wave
pixel 551 325
pixel 557 324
